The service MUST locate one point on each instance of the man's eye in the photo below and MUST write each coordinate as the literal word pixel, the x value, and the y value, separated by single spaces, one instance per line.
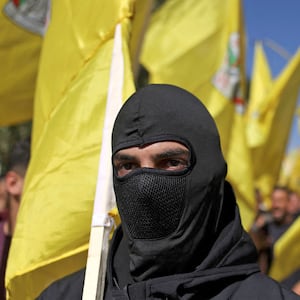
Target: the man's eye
pixel 125 168
pixel 174 164
pixel 128 166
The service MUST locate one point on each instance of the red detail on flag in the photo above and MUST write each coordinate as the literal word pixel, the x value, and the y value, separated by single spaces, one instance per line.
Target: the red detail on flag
pixel 16 2
pixel 238 101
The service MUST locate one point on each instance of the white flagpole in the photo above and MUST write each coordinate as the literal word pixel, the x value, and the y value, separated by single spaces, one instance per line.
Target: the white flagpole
pixel 104 197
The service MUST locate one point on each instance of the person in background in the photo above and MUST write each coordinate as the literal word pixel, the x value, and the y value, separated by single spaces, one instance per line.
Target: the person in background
pixel 282 218
pixel 293 280
pixel 294 204
pixel 259 233
pixel 269 226
pixel 14 181
pixel 3 214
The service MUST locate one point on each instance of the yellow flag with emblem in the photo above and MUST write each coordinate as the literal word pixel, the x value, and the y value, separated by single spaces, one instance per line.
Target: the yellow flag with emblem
pixel 51 238
pixel 261 84
pixel 199 45
pixel 274 120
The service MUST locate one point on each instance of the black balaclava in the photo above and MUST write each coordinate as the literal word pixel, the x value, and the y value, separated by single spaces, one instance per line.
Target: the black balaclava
pixel 169 218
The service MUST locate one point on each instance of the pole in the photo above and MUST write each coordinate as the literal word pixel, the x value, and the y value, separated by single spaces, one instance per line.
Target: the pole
pixel 104 197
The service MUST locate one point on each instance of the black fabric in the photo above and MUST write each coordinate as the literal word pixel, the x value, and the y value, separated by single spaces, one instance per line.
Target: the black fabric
pixel 67 288
pixel 155 113
pixel 275 231
pixel 5 252
pixel 151 202
pixel 235 278
pixel 291 280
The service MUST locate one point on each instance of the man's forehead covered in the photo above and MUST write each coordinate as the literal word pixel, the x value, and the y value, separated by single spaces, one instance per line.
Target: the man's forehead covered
pixel 159 113
pixel 156 150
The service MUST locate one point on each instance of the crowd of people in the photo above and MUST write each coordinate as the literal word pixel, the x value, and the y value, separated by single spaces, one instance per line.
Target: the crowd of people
pixel 181 235
pixel 271 224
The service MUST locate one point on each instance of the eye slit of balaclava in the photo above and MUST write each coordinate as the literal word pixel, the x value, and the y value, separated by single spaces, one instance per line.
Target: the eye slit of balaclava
pixel 167 138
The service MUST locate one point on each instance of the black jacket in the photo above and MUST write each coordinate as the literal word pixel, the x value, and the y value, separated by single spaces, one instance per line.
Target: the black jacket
pixel 241 280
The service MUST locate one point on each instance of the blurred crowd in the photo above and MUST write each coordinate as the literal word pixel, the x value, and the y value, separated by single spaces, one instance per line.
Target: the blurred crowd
pixel 271 224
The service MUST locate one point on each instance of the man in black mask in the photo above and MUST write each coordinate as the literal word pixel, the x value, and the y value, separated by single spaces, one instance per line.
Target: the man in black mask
pixel 181 235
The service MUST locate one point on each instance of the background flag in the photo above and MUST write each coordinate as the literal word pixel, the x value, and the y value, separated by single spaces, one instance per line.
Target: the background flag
pixel 178 51
pixel 261 84
pixel 240 172
pixel 274 120
pixel 54 221
pixel 290 170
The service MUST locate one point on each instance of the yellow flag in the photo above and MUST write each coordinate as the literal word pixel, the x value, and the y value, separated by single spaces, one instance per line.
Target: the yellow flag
pixel 294 179
pixel 261 84
pixel 274 123
pixel 286 253
pixel 54 221
pixel 19 57
pixel 290 170
pixel 198 45
pixel 178 50
pixel 240 172
pixel 260 87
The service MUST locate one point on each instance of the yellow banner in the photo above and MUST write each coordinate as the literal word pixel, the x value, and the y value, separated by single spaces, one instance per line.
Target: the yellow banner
pixel 261 84
pixel 274 122
pixel 199 45
pixel 54 221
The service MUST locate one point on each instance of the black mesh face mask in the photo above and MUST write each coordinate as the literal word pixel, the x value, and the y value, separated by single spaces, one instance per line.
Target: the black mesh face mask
pixel 151 202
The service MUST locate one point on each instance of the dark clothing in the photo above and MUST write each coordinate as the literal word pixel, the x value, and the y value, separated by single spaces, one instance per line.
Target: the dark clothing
pixel 5 241
pixel 275 231
pixel 5 251
pixel 291 280
pixel 2 237
pixel 235 278
pixel 67 288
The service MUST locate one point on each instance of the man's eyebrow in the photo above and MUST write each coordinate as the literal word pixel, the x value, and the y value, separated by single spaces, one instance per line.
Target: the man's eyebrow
pixel 122 156
pixel 172 153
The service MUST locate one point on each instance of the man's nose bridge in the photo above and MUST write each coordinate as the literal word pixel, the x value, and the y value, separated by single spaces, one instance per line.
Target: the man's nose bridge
pixel 147 162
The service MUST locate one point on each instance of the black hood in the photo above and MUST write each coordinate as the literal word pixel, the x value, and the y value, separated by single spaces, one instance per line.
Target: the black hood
pixel 168 113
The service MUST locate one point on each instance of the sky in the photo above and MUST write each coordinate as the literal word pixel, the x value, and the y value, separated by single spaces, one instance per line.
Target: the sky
pixel 275 22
